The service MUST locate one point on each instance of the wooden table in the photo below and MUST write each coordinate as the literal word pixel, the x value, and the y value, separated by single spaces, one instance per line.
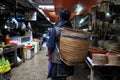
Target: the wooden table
pixel 94 67
pixel 12 53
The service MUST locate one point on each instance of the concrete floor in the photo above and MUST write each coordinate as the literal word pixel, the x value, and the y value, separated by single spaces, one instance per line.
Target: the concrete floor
pixel 36 69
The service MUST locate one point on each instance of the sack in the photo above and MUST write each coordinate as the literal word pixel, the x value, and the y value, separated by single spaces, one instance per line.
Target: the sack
pixel 4 65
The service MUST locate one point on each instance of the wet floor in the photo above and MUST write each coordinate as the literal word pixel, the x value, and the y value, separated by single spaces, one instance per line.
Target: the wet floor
pixel 34 69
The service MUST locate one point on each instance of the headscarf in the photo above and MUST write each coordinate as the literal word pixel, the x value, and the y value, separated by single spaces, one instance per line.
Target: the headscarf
pixel 64 14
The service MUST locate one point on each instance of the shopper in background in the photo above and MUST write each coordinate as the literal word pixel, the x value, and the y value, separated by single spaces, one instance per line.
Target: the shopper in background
pixel 23 29
pixel 58 70
pixel 14 23
pixel 30 31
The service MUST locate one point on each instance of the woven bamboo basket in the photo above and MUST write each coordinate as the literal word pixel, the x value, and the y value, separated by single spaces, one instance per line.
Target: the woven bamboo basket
pixel 113 59
pixel 73 50
pixel 100 59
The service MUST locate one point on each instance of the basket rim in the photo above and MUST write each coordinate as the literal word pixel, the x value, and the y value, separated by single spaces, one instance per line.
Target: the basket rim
pixel 77 31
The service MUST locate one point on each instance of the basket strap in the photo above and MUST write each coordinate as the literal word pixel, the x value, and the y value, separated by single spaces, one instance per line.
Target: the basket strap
pixel 71 36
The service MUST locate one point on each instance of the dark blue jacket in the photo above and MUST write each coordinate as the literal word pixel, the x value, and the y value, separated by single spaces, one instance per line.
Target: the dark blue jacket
pixel 51 40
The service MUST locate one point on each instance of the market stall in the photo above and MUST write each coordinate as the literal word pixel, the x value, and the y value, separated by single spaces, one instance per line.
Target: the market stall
pixel 102 71
pixel 104 51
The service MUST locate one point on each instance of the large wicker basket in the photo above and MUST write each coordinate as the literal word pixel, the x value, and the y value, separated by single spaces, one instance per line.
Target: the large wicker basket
pixel 73 46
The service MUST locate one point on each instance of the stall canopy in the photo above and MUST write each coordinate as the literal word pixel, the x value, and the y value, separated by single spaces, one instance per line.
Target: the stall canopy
pixel 79 6
pixel 75 6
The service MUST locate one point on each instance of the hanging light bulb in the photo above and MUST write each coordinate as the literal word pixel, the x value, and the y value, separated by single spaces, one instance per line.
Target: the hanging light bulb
pixel 79 8
pixel 107 13
pixel 81 21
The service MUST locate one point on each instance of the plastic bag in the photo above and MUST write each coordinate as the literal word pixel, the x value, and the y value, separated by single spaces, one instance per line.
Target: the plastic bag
pixel 4 65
